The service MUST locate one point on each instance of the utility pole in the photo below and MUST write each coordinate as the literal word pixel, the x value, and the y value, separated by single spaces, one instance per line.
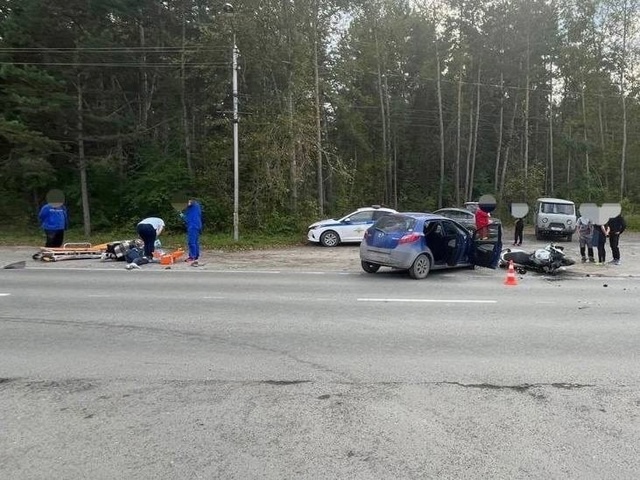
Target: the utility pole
pixel 227 8
pixel 236 175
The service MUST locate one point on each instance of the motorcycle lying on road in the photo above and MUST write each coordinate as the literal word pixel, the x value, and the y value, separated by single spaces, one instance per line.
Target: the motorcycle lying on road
pixel 544 260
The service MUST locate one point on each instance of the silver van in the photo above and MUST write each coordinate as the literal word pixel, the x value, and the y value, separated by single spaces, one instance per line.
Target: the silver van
pixel 554 217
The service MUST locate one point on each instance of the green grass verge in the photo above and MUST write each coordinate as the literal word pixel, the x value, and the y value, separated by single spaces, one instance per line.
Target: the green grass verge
pixel 209 241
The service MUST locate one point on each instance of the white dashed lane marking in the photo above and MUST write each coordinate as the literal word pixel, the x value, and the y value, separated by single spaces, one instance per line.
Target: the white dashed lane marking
pixel 421 300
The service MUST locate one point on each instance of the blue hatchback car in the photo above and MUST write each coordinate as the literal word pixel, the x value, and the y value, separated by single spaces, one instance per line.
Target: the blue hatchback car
pixel 421 242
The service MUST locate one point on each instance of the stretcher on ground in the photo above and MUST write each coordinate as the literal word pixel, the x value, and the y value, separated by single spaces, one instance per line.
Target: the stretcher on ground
pixel 71 251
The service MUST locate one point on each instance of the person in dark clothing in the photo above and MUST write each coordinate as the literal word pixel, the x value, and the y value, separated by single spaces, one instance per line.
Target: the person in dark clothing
pixel 134 258
pixel 54 220
pixel 616 226
pixel 600 234
pixel 519 229
pixel 148 230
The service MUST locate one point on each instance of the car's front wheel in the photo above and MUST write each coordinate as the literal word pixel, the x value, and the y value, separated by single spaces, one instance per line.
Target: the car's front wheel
pixel 420 268
pixel 370 267
pixel 329 239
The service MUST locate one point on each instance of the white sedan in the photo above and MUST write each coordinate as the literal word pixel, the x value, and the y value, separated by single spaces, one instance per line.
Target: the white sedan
pixel 348 229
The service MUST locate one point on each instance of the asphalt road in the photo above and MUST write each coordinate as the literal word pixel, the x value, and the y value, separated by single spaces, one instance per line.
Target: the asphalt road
pixel 258 374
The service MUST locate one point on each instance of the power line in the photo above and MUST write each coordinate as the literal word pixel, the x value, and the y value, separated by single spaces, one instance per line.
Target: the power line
pixel 117 64
pixel 190 48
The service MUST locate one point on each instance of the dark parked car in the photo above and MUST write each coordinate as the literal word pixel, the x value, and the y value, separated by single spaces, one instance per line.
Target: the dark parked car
pixel 464 216
pixel 420 242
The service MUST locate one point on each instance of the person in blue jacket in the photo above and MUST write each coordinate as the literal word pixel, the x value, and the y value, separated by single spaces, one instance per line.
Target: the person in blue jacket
pixel 54 220
pixel 192 216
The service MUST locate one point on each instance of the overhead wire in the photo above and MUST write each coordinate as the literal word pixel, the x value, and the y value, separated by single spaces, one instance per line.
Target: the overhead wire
pixel 116 64
pixel 200 48
pixel 179 49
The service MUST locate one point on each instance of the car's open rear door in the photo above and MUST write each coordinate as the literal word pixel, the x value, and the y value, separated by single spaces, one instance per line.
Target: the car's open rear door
pixel 486 250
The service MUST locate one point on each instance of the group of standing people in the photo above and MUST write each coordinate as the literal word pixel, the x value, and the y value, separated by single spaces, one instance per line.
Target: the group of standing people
pixel 54 220
pixel 592 235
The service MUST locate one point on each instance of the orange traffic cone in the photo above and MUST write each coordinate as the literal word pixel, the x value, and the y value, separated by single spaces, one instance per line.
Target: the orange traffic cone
pixel 511 275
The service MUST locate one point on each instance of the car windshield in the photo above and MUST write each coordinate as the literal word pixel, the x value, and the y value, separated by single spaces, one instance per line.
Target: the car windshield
pixel 395 223
pixel 561 208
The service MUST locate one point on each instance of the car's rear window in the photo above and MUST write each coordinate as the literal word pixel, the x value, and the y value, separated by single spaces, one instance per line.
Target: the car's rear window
pixel 458 215
pixel 395 223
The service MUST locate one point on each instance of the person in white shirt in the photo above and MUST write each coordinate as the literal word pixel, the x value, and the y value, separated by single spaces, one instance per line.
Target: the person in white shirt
pixel 149 229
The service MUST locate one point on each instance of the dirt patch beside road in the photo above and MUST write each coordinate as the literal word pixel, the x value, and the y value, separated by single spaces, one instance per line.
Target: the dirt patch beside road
pixel 344 258
pixel 305 257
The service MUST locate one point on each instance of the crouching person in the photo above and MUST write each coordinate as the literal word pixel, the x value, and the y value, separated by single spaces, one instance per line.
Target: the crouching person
pixel 149 229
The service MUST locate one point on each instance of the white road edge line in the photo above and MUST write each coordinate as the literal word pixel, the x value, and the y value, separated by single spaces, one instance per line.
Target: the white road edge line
pixel 154 270
pixel 4 294
pixel 421 300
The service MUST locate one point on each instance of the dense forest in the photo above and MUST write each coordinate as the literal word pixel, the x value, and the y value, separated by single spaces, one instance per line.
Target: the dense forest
pixel 126 105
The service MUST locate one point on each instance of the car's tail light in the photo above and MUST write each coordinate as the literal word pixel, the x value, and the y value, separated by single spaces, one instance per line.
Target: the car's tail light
pixel 409 238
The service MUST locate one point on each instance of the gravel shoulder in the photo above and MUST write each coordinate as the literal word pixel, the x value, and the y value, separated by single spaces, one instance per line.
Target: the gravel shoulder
pixel 343 258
